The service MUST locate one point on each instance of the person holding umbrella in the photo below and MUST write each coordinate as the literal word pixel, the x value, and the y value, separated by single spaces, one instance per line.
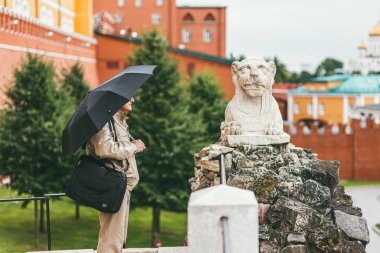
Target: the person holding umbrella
pixel 100 123
pixel 113 227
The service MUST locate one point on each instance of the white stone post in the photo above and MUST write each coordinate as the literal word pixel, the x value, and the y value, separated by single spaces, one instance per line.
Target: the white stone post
pixel 205 210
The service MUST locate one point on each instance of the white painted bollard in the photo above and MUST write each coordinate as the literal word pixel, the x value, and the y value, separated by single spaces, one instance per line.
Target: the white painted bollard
pixel 205 210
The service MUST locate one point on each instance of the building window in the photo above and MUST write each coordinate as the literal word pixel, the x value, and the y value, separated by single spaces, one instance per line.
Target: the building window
pixel 138 3
pixel 207 35
pixel 159 2
pixel 25 8
pixel 186 36
pixel 209 17
pixel 296 108
pixel 119 18
pixel 16 6
pixel 120 3
pixel 112 64
pixel 43 13
pixel 46 16
pixel 156 18
pixel 323 88
pixel 67 24
pixel 188 18
pixel 50 17
pixel 322 109
pixel 312 87
pixel 309 109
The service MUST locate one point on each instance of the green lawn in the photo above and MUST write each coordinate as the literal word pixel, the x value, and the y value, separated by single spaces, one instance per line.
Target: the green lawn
pixel 347 183
pixel 16 226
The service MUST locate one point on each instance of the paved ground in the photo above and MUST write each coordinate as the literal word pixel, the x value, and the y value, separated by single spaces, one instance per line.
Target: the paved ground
pixel 368 198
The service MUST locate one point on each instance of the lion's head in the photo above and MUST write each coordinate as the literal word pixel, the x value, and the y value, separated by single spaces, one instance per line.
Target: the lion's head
pixel 253 76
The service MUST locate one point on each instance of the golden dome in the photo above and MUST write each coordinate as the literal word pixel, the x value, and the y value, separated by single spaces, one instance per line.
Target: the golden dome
pixel 362 46
pixel 376 30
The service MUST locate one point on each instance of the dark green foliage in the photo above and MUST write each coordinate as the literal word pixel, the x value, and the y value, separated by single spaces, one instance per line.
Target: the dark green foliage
pixel 161 119
pixel 237 57
pixel 283 75
pixel 302 77
pixel 73 82
pixel 328 66
pixel 30 130
pixel 207 103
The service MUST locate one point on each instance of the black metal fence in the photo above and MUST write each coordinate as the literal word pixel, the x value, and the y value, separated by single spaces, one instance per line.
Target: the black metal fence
pixel 46 199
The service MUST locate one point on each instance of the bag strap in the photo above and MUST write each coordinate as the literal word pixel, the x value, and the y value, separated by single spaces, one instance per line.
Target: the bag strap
pixel 111 125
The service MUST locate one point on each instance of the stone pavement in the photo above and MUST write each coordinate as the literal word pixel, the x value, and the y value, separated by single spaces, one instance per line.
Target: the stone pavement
pixel 368 199
pixel 140 250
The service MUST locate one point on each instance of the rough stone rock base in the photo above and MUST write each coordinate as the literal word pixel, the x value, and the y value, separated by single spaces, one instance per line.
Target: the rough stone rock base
pixel 303 207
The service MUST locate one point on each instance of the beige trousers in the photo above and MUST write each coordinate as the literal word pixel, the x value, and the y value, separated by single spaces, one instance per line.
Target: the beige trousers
pixel 113 228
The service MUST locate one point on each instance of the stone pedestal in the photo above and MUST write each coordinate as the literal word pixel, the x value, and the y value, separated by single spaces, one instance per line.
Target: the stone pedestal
pixel 205 210
pixel 257 139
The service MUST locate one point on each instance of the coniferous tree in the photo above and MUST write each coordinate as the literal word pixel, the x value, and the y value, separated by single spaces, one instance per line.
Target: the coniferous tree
pixel 73 82
pixel 30 130
pixel 207 103
pixel 161 119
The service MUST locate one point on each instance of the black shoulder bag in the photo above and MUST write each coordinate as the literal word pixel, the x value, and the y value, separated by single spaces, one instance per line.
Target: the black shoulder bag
pixel 95 185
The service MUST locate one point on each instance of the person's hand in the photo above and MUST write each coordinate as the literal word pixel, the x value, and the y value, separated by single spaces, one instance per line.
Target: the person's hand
pixel 140 146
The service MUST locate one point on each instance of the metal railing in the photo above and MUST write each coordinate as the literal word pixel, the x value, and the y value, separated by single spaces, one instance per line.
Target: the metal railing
pixel 46 198
pixel 224 219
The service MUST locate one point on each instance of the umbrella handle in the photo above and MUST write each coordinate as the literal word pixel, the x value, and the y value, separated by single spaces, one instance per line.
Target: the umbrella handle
pixel 130 136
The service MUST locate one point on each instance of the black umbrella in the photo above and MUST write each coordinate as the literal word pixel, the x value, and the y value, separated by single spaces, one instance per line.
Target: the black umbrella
pixel 101 104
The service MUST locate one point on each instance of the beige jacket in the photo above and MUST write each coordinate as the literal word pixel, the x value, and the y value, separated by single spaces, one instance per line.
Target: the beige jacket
pixel 121 153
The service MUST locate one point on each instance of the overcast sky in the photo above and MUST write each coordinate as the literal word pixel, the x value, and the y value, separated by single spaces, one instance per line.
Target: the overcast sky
pixel 299 32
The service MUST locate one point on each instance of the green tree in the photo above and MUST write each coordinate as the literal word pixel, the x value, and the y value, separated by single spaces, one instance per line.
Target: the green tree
pixel 207 103
pixel 283 75
pixel 73 82
pixel 161 119
pixel 74 85
pixel 30 131
pixel 301 77
pixel 234 57
pixel 328 66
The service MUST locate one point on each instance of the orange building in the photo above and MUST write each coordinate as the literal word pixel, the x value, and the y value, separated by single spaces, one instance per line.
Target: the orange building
pixel 199 28
pixel 329 99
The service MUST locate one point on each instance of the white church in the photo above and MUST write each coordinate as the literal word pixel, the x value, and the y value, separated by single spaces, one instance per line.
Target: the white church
pixel 369 55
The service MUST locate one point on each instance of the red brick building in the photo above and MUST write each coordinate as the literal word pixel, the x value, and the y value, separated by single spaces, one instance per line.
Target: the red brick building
pixel 198 28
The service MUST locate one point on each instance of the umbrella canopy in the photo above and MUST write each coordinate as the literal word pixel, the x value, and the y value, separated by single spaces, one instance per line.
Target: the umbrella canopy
pixel 100 104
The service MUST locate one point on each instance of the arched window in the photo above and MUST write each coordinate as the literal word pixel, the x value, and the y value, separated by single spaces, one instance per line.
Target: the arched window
pixel 50 17
pixel 64 23
pixel 209 17
pixel 188 18
pixel 156 18
pixel 43 15
pixel 138 3
pixel 25 8
pixel 186 35
pixel 16 6
pixel 207 35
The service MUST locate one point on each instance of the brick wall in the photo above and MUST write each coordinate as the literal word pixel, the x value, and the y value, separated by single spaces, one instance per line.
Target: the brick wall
pixel 356 147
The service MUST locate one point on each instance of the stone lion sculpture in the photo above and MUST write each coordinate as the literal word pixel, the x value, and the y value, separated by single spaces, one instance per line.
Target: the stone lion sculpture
pixel 253 112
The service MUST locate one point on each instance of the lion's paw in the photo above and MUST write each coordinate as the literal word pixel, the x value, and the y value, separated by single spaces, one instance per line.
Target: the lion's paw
pixel 273 130
pixel 231 128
